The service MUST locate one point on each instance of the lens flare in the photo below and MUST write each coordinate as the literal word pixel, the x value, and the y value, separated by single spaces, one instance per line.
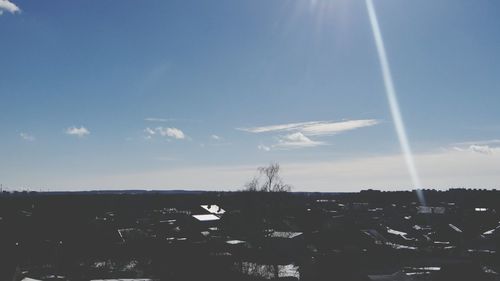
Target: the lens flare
pixel 393 102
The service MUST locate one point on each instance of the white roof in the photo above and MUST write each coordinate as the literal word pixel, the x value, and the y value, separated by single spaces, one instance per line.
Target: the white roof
pixel 213 209
pixel 234 242
pixel 208 217
pixel 396 232
pixel 29 279
pixel 491 231
pixel 455 228
pixel 284 234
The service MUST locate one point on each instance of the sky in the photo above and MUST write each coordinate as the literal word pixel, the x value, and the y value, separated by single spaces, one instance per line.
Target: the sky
pixel 196 95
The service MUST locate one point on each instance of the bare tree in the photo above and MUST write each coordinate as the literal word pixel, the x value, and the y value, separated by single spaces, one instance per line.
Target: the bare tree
pixel 252 185
pixel 271 180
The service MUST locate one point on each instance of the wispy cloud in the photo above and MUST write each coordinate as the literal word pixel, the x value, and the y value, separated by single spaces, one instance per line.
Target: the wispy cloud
pixel 277 128
pixel 155 119
pixel 165 132
pixel 296 140
pixel 486 147
pixel 299 134
pixel 482 149
pixel 330 128
pixel 263 147
pixel 27 137
pixel 78 132
pixel 315 128
pixel 6 5
pixel 150 132
pixel 216 141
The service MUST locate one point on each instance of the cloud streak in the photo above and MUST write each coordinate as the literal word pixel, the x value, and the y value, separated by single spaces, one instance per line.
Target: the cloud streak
pixel 77 132
pixel 481 149
pixel 278 128
pixel 155 119
pixel 315 128
pixel 6 5
pixel 298 135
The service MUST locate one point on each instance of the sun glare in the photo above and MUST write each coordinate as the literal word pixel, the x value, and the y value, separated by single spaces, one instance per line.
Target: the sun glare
pixel 393 101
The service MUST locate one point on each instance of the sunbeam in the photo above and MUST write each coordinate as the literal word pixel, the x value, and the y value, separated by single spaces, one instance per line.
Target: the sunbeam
pixel 393 102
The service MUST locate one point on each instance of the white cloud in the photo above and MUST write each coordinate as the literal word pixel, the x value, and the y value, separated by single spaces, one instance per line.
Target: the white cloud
pixel 300 133
pixel 170 132
pixel 27 137
pixel 296 140
pixel 6 5
pixel 155 119
pixel 263 147
pixel 218 141
pixel 481 149
pixel 330 128
pixel 164 132
pixel 275 128
pixel 315 128
pixel 78 132
pixel 486 147
pixel 149 131
pixel 291 141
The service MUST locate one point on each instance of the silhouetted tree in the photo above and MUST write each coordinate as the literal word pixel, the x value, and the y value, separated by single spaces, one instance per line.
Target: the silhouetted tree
pixel 268 180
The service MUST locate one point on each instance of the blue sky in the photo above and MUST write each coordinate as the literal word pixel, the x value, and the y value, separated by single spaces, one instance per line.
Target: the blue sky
pixel 197 94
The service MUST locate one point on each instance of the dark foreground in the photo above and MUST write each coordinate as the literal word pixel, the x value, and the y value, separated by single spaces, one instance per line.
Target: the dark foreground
pixel 250 236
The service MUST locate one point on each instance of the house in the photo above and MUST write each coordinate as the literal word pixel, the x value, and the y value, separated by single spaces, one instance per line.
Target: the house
pixel 206 217
pixel 269 271
pixel 426 210
pixel 123 279
pixel 398 276
pixel 213 209
pixel 284 234
pixel 283 245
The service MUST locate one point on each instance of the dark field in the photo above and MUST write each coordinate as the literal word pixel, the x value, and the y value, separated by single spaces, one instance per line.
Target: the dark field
pixel 250 236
